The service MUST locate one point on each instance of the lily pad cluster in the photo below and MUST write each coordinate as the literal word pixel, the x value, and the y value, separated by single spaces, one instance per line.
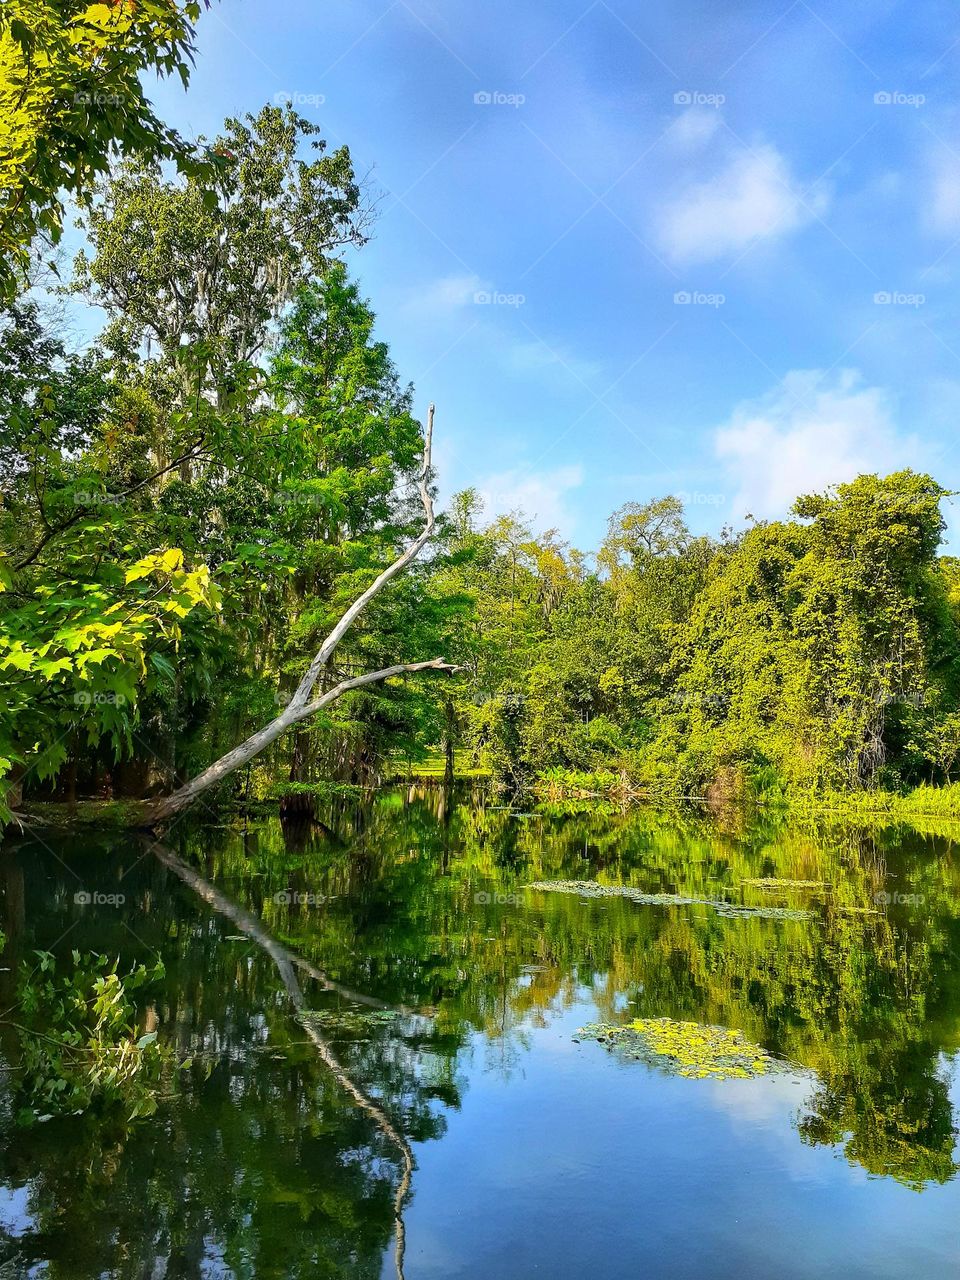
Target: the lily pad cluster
pixel 821 889
pixel 689 1049
pixel 347 1020
pixel 591 889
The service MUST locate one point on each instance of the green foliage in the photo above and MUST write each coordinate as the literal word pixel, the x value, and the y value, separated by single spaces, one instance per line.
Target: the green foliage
pixel 202 270
pixel 71 100
pixel 827 650
pixel 176 518
pixel 817 654
pixel 80 1041
pixel 190 505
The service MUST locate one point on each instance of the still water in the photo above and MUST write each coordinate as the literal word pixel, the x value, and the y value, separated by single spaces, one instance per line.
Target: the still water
pixel 441 1074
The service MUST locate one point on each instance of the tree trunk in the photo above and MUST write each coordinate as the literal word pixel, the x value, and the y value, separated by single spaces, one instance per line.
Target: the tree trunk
pixel 449 740
pixel 286 963
pixel 299 805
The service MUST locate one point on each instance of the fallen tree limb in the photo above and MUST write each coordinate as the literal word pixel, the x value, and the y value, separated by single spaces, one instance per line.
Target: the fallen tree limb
pixel 158 810
pixel 303 705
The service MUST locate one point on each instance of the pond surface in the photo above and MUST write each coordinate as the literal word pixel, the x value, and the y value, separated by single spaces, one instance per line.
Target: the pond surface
pixel 448 996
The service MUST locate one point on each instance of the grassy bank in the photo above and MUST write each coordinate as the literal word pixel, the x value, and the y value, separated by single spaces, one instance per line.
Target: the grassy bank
pixel 925 801
pixel 922 802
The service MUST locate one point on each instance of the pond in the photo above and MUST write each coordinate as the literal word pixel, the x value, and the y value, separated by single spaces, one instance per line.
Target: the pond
pixel 436 1094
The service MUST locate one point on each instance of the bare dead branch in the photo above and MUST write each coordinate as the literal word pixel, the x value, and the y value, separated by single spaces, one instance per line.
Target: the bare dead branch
pixel 329 645
pixel 301 705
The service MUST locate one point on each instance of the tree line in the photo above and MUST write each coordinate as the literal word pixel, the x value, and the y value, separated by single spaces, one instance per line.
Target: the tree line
pixel 194 501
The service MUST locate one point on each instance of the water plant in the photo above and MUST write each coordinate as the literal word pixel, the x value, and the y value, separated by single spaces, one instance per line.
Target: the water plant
pixel 591 889
pixel 689 1049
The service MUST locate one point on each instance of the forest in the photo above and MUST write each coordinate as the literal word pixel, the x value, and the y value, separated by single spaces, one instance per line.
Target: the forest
pixel 521 883
pixel 194 497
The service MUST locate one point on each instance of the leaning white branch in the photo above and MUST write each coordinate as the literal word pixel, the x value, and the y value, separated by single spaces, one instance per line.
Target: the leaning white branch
pixel 301 705
pixel 326 650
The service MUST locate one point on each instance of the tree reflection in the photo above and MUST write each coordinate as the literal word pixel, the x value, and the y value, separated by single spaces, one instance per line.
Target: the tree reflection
pixel 270 1168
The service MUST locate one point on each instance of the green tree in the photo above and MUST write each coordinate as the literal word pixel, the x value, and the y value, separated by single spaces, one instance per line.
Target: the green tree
pixel 202 271
pixel 71 101
pixel 817 648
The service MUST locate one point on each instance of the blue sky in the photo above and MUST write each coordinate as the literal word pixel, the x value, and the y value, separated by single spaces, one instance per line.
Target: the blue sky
pixel 784 166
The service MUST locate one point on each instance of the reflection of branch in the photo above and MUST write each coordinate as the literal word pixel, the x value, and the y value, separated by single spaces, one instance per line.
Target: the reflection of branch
pixel 285 961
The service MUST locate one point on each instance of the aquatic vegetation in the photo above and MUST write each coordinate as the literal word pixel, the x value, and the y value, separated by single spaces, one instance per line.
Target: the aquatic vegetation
pixel 689 1049
pixel 819 887
pixel 558 784
pixel 591 889
pixel 347 1020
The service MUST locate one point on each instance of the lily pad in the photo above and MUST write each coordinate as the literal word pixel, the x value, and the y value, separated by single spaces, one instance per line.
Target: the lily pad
pixel 347 1020
pixel 690 1049
pixel 591 889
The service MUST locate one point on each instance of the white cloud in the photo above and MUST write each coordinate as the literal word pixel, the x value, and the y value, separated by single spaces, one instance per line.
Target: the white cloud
pixel 753 194
pixel 943 197
pixel 810 432
pixel 447 294
pixel 695 127
pixel 535 356
pixel 539 495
